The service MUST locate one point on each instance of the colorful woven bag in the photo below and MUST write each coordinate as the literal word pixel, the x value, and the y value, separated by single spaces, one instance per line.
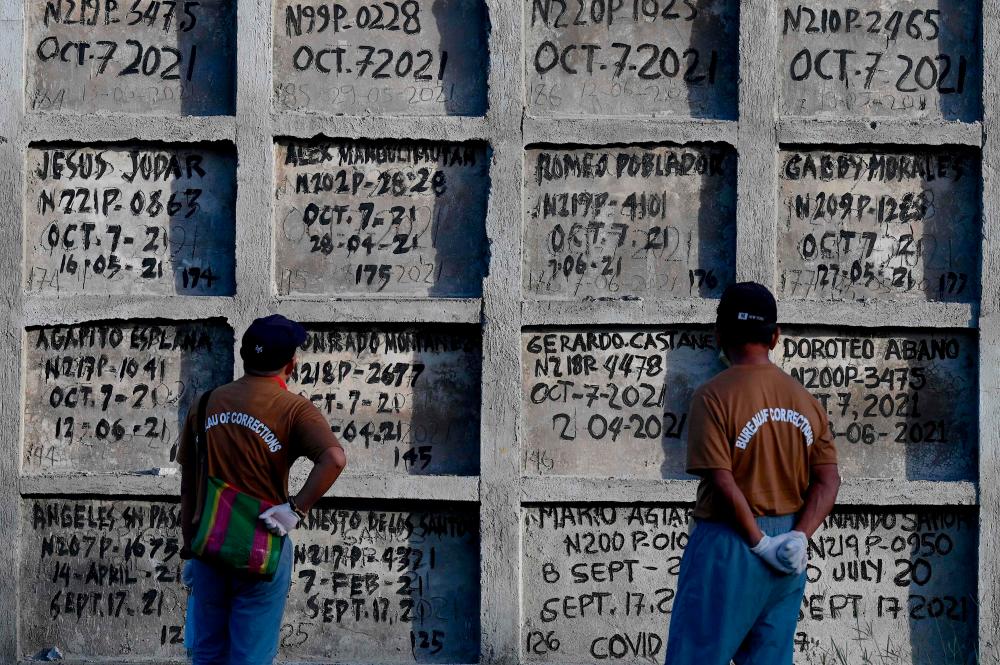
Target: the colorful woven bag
pixel 230 531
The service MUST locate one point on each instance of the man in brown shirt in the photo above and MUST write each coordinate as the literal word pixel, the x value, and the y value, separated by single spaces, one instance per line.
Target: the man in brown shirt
pixel 768 465
pixel 254 430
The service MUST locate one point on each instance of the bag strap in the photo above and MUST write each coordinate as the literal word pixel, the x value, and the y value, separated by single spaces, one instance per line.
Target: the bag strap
pixel 200 438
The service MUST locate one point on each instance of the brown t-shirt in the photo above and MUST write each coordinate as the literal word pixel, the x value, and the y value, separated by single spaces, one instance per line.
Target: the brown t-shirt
pixel 762 425
pixel 255 430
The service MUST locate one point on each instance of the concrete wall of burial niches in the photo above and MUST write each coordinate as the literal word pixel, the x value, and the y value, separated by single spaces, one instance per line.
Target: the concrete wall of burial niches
pixel 506 226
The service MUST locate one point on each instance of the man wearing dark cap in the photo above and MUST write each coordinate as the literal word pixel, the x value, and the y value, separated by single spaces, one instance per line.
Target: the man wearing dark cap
pixel 768 466
pixel 235 619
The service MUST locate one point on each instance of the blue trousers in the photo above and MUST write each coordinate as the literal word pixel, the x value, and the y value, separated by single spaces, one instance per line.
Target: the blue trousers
pixel 234 620
pixel 730 605
pixel 187 579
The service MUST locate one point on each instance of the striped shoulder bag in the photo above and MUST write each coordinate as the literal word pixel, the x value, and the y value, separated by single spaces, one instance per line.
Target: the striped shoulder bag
pixel 230 533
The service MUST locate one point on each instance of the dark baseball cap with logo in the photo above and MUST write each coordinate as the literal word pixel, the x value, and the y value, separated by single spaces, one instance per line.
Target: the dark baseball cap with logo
pixel 270 342
pixel 747 311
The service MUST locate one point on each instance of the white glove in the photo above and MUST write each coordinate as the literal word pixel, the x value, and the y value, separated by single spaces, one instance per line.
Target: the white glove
pixel 794 550
pixel 280 519
pixel 767 549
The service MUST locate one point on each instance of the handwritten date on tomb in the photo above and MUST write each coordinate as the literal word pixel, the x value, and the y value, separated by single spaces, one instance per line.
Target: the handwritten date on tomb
pixel 131 219
pixel 403 578
pixel 590 392
pixel 629 221
pixel 881 59
pixel 653 56
pixel 93 565
pixel 860 225
pixel 390 56
pixel 103 387
pixel 889 399
pixel 407 577
pixel 402 401
pixel 603 578
pixel 130 55
pixel 397 217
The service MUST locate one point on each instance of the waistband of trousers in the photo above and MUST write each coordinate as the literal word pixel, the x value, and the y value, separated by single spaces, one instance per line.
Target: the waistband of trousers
pixel 775 523
pixel 767 523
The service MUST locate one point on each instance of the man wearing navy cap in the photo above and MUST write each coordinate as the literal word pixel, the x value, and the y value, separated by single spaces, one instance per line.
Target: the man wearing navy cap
pixel 768 466
pixel 233 619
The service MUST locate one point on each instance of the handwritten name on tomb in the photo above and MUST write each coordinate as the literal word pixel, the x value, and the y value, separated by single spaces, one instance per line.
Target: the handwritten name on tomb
pixel 111 396
pixel 381 218
pixel 131 219
pixel 879 225
pixel 649 222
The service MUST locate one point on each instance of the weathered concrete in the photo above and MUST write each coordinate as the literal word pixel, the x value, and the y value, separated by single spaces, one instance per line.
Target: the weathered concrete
pixel 134 219
pixel 12 145
pixel 618 222
pixel 622 396
pixel 359 217
pixel 860 130
pixel 103 579
pixel 879 224
pixel 600 581
pixel 882 58
pixel 890 398
pixel 989 341
pixel 602 57
pixel 126 57
pixel 121 127
pixel 111 396
pixel 514 110
pixel 619 396
pixel 403 58
pixel 402 582
pixel 351 486
pixel 400 400
pixel 601 131
pixel 854 491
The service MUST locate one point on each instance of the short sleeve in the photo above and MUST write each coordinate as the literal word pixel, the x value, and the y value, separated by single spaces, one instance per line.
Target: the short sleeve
pixel 823 450
pixel 708 445
pixel 311 433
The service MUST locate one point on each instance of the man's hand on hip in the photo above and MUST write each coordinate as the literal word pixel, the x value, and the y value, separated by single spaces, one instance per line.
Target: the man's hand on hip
pixel 769 549
pixel 280 519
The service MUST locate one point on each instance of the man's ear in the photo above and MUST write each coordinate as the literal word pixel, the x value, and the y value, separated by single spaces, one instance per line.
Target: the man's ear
pixel 290 365
pixel 775 336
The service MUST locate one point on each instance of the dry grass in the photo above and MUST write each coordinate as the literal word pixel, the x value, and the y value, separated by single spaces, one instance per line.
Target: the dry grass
pixel 864 647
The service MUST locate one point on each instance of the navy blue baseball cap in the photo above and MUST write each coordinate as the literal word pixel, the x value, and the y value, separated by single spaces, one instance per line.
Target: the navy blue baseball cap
pixel 747 306
pixel 270 342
